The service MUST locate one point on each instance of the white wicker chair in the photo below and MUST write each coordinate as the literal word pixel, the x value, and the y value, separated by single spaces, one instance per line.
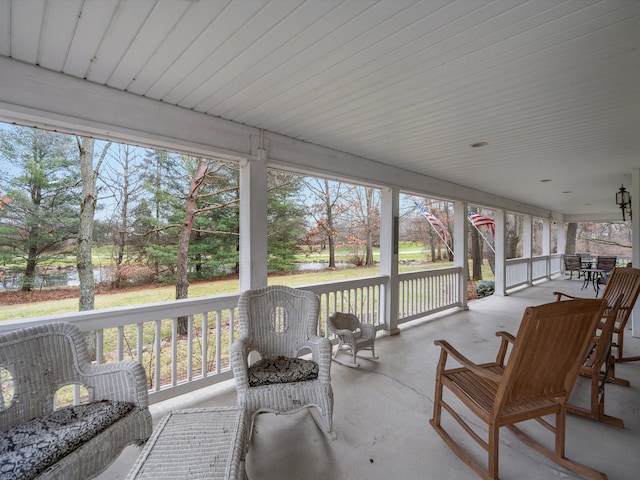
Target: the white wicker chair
pixel 37 441
pixel 280 324
pixel 352 335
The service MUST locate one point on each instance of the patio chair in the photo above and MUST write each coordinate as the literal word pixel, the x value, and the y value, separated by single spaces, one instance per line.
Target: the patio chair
pixel 280 324
pixel 352 335
pixel 625 281
pixel 599 366
pixel 536 381
pixel 572 263
pixel 606 263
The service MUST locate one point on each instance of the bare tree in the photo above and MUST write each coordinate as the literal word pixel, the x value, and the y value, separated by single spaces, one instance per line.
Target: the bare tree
pixel 325 210
pixel 362 218
pixel 124 178
pixel 84 260
pixel 191 200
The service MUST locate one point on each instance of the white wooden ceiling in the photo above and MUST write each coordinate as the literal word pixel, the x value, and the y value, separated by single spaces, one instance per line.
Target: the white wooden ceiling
pixel 552 86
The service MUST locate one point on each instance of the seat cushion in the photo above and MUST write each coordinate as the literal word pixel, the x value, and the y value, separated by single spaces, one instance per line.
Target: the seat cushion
pixel 29 449
pixel 282 370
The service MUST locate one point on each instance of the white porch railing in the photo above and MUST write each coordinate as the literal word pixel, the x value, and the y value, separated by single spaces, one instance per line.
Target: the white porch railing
pixel 525 271
pixel 427 292
pixel 178 363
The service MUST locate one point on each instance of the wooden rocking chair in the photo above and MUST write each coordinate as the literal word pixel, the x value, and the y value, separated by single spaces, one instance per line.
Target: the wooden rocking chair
pixel 536 381
pixel 599 365
pixel 625 281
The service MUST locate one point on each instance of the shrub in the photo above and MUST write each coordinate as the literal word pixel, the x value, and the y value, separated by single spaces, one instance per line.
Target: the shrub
pixel 485 288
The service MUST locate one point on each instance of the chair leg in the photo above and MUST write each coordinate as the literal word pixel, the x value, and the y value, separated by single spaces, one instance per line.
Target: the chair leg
pixel 323 420
pixel 620 358
pixel 342 362
pixel 611 378
pixel 557 455
pixel 597 399
pixel 437 407
pixel 494 444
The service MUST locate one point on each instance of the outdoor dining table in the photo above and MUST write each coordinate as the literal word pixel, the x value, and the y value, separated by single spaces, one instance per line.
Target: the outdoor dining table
pixel 591 275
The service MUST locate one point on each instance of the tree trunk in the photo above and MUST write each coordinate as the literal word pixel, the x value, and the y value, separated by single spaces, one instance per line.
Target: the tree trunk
pixel 572 230
pixel 368 259
pixel 121 236
pixel 32 249
pixel 330 230
pixel 491 258
pixel 476 255
pixel 432 245
pixel 30 270
pixel 182 263
pixel 84 261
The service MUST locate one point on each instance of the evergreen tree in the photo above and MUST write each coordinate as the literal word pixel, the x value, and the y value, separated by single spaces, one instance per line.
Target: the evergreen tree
pixel 41 220
pixel 286 216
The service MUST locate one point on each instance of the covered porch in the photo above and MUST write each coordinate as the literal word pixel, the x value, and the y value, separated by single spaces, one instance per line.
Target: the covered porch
pixel 548 94
pixel 382 409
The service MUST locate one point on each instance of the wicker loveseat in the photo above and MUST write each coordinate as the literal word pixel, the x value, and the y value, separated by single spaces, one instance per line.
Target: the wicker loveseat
pixel 75 442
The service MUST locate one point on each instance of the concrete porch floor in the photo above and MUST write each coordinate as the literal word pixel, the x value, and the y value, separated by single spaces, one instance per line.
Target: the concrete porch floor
pixel 382 410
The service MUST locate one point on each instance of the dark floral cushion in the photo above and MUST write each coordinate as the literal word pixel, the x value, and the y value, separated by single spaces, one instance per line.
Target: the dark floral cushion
pixel 282 370
pixel 29 449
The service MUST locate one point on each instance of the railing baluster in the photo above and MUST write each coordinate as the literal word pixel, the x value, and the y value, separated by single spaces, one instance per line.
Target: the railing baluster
pixel 174 351
pixel 218 340
pixel 190 348
pixel 139 342
pixel 120 342
pixel 157 363
pixel 204 350
pixel 100 346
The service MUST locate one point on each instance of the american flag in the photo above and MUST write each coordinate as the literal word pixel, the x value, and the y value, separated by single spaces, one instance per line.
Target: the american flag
pixel 480 221
pixel 435 222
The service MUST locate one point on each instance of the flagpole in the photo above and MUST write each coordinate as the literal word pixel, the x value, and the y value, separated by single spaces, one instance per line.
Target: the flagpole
pixel 423 211
pixel 483 237
pixel 440 236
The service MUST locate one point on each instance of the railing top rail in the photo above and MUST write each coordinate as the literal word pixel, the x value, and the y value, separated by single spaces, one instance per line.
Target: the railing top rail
pixel 322 288
pixel 120 316
pixel 433 272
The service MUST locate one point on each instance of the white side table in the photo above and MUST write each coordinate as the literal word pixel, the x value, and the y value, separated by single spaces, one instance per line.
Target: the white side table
pixel 195 444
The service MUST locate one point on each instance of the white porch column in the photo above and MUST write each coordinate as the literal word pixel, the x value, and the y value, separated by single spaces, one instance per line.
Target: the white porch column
pixel 501 264
pixel 635 242
pixel 527 245
pixel 546 243
pixel 253 224
pixel 389 218
pixel 461 247
pixel 562 237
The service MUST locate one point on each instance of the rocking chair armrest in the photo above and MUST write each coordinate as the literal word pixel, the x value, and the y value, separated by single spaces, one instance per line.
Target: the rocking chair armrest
pixel 507 339
pixel 342 331
pixel 506 336
pixel 321 349
pixel 368 330
pixel 559 296
pixel 347 334
pixel 465 362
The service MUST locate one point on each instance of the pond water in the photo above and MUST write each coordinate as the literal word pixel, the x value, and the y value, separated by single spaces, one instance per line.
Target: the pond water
pixel 305 266
pixel 68 277
pixel 62 277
